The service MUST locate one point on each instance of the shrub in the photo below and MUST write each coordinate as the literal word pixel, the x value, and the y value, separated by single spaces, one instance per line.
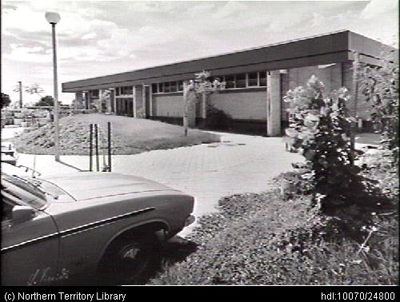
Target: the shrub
pixel 282 243
pixel 380 86
pixel 216 118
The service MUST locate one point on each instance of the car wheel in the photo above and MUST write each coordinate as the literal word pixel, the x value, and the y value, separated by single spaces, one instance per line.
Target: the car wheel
pixel 129 260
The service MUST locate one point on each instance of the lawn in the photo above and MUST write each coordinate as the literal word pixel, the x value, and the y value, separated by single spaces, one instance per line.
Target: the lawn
pixel 129 136
pixel 265 239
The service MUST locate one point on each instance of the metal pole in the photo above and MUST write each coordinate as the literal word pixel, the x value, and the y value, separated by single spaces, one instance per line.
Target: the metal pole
pixel 96 134
pixel 56 125
pixel 90 147
pixel 109 147
pixel 20 94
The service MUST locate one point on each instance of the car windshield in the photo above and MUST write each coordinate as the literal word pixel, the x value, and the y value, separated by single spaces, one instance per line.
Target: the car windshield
pixel 23 191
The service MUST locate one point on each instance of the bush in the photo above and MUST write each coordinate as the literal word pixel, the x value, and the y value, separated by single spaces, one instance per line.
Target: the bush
pixel 216 118
pixel 261 239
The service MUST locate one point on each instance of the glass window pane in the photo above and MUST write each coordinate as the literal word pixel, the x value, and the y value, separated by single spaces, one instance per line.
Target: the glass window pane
pixel 241 80
pixel 180 86
pixel 173 87
pixel 263 78
pixel 154 88
pixel 160 87
pixel 230 81
pixel 253 79
pixel 167 87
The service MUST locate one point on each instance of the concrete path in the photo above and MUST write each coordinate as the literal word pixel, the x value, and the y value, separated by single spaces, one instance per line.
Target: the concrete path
pixel 240 163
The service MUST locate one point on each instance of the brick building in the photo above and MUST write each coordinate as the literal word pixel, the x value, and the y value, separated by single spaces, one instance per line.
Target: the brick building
pixel 256 81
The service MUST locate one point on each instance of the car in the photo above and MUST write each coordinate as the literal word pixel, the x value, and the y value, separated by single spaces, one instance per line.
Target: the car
pixel 102 227
pixel 19 170
pixel 8 154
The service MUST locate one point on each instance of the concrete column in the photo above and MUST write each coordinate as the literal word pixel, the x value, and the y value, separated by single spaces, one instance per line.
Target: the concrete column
pixel 87 99
pixel 274 103
pixel 204 106
pixel 151 101
pixel 138 101
pixel 100 101
pixel 79 100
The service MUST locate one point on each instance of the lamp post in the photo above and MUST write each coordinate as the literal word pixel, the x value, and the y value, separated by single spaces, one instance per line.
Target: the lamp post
pixel 20 94
pixel 53 19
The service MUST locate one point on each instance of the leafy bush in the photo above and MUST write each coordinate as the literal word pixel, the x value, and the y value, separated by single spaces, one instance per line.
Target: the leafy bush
pixel 216 118
pixel 259 239
pixel 318 129
pixel 380 86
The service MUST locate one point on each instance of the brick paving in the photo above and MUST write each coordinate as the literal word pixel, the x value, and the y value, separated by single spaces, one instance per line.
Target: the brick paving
pixel 239 164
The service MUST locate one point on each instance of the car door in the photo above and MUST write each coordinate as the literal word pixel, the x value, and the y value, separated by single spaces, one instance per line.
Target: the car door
pixel 30 248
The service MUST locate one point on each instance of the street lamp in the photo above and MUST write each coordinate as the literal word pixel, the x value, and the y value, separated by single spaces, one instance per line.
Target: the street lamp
pixel 53 19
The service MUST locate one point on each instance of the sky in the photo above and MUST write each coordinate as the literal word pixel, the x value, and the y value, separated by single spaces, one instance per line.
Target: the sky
pixel 97 38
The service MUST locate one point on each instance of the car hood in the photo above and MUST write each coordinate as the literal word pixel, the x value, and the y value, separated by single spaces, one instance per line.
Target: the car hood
pixel 90 185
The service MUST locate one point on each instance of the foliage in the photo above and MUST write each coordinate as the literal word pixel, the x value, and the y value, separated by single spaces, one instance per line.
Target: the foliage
pixel 259 239
pixel 380 86
pixel 5 100
pixel 34 89
pixel 46 101
pixel 216 119
pixel 319 129
pixel 194 89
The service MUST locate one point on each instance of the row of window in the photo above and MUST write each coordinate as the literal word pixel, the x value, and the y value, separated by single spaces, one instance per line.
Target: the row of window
pixel 167 87
pixel 236 81
pixel 125 90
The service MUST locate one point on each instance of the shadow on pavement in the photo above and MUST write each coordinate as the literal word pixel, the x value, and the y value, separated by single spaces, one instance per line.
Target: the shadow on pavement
pixel 71 166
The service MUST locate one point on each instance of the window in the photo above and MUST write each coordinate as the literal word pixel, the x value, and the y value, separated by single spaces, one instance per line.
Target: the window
pixel 173 87
pixel 160 87
pixel 230 81
pixel 154 88
pixel 180 86
pixel 241 80
pixel 127 90
pixel 263 78
pixel 94 93
pixel 253 79
pixel 167 87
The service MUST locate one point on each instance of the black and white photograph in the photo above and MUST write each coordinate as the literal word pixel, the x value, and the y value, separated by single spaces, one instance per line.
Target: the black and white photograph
pixel 199 143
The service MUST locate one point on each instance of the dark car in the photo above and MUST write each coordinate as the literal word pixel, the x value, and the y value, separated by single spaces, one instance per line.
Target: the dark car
pixel 88 225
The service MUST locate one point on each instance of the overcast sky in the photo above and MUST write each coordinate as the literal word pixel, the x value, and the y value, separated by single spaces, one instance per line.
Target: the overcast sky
pixel 103 37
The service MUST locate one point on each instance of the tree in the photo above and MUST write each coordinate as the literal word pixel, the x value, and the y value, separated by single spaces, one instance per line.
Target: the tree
pixel 193 90
pixel 380 86
pixel 46 101
pixel 319 129
pixel 5 100
pixel 34 89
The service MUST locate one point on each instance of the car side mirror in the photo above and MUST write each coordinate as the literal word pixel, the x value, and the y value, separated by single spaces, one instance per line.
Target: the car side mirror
pixel 22 214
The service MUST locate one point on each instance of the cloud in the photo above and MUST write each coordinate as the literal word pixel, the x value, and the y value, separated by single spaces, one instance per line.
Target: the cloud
pixel 229 9
pixel 378 7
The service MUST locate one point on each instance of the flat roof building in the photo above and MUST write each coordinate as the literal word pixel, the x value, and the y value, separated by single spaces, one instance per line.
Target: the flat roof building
pixel 256 81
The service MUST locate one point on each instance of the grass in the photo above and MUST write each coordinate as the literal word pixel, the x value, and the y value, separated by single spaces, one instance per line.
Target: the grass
pixel 263 239
pixel 129 136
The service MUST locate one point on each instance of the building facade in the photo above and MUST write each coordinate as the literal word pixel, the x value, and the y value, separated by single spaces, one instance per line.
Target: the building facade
pixel 256 82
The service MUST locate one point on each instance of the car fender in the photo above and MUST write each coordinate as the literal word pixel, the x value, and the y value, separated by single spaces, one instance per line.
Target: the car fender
pixel 130 228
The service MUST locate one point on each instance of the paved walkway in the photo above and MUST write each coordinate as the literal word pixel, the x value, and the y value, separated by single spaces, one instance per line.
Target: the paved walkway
pixel 240 163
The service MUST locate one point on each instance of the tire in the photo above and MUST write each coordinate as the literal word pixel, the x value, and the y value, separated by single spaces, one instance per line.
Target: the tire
pixel 129 260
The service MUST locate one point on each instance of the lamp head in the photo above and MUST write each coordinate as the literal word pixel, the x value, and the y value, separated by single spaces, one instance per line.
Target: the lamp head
pixel 52 18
